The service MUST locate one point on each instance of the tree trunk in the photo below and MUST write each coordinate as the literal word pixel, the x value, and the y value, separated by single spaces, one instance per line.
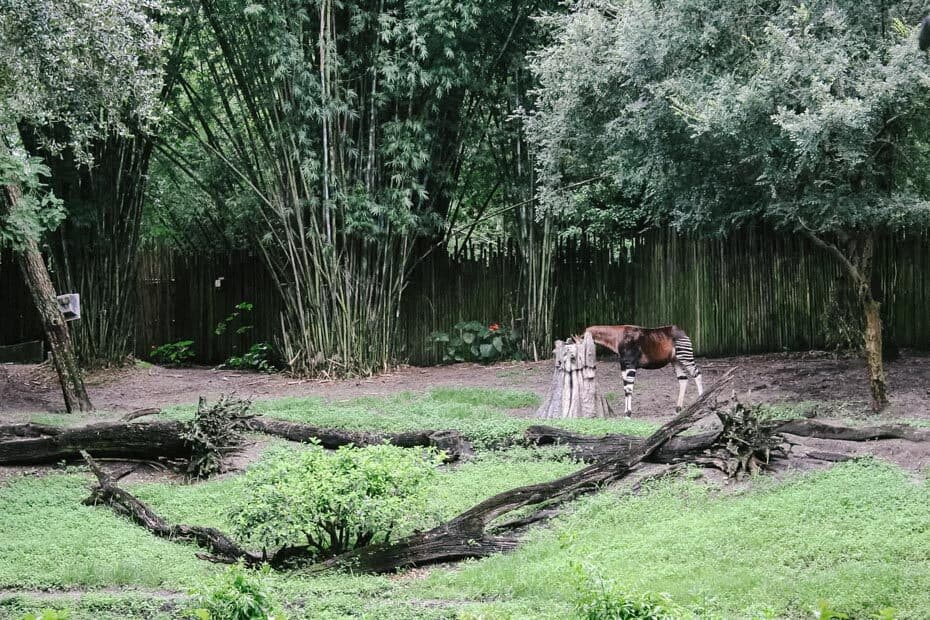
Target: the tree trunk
pixel 873 353
pixel 53 322
pixel 574 392
pixel 873 326
pixel 857 260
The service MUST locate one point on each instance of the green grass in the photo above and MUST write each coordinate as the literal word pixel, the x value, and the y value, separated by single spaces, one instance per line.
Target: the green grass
pixel 857 536
pixel 52 541
pixel 482 415
pixel 70 419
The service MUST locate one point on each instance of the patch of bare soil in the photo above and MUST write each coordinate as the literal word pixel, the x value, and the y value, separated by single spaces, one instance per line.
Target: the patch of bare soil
pixel 829 386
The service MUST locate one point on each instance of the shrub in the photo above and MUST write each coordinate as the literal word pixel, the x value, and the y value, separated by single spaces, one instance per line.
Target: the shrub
pixel 241 308
pixel 333 502
pixel 599 599
pixel 48 614
pixel 472 341
pixel 260 357
pixel 236 595
pixel 177 353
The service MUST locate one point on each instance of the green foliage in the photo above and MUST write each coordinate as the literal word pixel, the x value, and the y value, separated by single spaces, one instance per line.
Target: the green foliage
pixel 178 353
pixel 485 397
pixel 48 614
pixel 472 341
pixel 260 357
pixel 333 502
pixel 241 308
pixel 36 211
pixel 52 541
pixel 773 551
pixel 854 535
pixel 824 127
pixel 238 594
pixel 600 599
pixel 215 430
pixel 76 70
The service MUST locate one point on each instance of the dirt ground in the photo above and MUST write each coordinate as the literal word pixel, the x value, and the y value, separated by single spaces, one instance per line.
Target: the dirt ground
pixel 832 388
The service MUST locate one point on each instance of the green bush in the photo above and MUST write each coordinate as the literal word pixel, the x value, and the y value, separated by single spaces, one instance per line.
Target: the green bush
pixel 173 353
pixel 599 599
pixel 260 357
pixel 242 308
pixel 473 341
pixel 48 614
pixel 237 594
pixel 333 502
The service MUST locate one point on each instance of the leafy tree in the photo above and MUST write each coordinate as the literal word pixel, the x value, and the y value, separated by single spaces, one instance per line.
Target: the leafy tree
pixel 708 115
pixel 78 68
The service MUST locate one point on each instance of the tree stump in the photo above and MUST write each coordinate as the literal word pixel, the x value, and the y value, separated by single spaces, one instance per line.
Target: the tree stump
pixel 573 392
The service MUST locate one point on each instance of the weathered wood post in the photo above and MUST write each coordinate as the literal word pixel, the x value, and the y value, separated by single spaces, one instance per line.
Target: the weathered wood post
pixel 573 392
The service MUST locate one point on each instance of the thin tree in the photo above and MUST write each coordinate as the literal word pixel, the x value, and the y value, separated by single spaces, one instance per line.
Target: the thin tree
pixel 76 66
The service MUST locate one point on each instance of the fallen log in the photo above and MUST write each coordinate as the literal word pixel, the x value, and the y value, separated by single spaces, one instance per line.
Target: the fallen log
pixel 222 548
pixel 28 430
pixel 31 444
pixel 452 442
pixel 820 430
pixel 141 440
pixel 467 535
pixel 590 448
pixel 140 413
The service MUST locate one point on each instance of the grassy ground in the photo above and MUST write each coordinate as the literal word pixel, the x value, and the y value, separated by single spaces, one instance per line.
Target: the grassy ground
pixel 485 416
pixel 854 539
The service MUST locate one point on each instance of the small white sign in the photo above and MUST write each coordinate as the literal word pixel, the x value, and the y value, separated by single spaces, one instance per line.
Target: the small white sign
pixel 70 305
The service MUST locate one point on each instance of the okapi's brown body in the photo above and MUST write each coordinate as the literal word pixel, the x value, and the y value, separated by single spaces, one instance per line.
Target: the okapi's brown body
pixel 650 348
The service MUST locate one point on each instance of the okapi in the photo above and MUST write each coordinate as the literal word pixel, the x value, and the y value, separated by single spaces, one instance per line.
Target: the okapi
pixel 643 347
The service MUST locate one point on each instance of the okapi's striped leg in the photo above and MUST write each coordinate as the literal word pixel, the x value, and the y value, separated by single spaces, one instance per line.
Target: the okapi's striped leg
pixel 629 376
pixel 682 376
pixel 684 356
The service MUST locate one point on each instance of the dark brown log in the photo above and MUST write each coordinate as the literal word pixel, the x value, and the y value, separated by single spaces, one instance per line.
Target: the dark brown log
pixel 832 457
pixel 222 548
pixel 466 536
pixel 591 449
pixel 821 430
pixel 34 443
pixel 650 474
pixel 139 413
pixel 143 440
pixel 452 442
pixel 28 430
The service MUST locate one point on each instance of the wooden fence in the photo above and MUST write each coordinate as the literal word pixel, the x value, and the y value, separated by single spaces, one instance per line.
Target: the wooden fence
pixel 751 292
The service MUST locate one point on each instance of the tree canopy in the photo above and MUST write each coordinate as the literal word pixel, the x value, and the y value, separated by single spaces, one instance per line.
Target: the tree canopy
pixel 709 114
pixel 77 69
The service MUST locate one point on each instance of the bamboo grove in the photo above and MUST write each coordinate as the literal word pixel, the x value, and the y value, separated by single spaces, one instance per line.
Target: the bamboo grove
pixel 339 131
